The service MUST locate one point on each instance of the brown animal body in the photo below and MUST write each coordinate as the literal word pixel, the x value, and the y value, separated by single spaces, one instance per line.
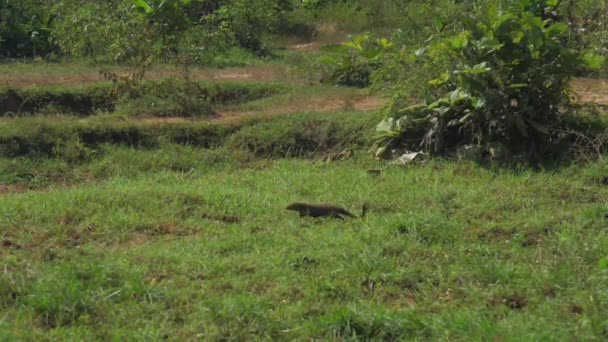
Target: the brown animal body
pixel 321 210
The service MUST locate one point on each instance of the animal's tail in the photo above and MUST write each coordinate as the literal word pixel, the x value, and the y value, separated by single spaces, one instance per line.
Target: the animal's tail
pixel 364 209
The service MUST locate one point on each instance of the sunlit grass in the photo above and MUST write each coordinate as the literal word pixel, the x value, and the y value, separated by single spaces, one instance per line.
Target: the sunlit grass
pixel 448 250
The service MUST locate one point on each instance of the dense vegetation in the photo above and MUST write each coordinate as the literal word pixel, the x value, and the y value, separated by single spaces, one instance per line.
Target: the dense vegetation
pixel 149 147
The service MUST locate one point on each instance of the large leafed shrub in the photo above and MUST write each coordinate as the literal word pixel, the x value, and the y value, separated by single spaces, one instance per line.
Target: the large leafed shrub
pixel 506 85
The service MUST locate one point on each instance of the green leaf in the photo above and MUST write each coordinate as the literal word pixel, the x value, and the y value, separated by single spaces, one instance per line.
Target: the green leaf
pixel 386 125
pixel 353 45
pixel 556 30
pixel 460 41
pixel 479 103
pixel 441 101
pixel 458 95
pixel 142 5
pixel 439 24
pixel 385 43
pixel 479 69
pixel 443 79
pixel 593 61
pixel 518 37
pixel 442 110
pixel 552 3
pixel 505 23
pixel 518 85
pixel 603 263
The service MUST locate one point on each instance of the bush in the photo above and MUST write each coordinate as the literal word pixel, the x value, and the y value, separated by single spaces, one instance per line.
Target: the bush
pixel 506 86
pixel 103 30
pixel 362 57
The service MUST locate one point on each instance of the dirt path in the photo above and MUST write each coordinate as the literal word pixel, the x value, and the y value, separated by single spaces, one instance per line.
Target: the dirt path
pixel 591 90
pixel 258 72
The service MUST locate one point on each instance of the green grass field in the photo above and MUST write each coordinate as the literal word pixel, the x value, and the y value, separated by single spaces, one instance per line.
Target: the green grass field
pixel 448 250
pixel 134 226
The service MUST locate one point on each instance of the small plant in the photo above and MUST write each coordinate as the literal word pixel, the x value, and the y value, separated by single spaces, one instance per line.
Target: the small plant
pixel 505 89
pixel 362 57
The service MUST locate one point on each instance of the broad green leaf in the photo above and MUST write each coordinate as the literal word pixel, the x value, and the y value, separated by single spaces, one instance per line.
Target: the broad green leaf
pixel 518 85
pixel 478 69
pixel 386 125
pixel 593 61
pixel 479 103
pixel 385 43
pixel 439 24
pixel 490 44
pixel 603 263
pixel 556 30
pixel 442 110
pixel 441 101
pixel 353 45
pixel 142 5
pixel 458 95
pixel 460 41
pixel 441 80
pixel 552 3
pixel 518 36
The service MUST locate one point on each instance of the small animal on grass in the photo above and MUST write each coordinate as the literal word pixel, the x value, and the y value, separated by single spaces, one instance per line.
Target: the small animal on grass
pixel 323 210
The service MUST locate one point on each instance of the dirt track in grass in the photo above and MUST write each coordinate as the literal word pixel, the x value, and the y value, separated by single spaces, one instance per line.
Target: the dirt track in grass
pixel 586 90
pixel 258 72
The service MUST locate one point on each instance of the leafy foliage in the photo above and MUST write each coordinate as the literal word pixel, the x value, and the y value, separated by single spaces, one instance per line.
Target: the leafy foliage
pixel 25 28
pixel 139 30
pixel 103 30
pixel 506 84
pixel 363 55
pixel 244 22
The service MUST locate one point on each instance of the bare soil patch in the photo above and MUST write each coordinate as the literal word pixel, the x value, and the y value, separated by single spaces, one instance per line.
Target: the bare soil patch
pixel 590 90
pixel 12 188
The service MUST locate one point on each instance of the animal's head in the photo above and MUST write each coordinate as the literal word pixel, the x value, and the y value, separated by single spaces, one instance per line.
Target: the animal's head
pixel 293 206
